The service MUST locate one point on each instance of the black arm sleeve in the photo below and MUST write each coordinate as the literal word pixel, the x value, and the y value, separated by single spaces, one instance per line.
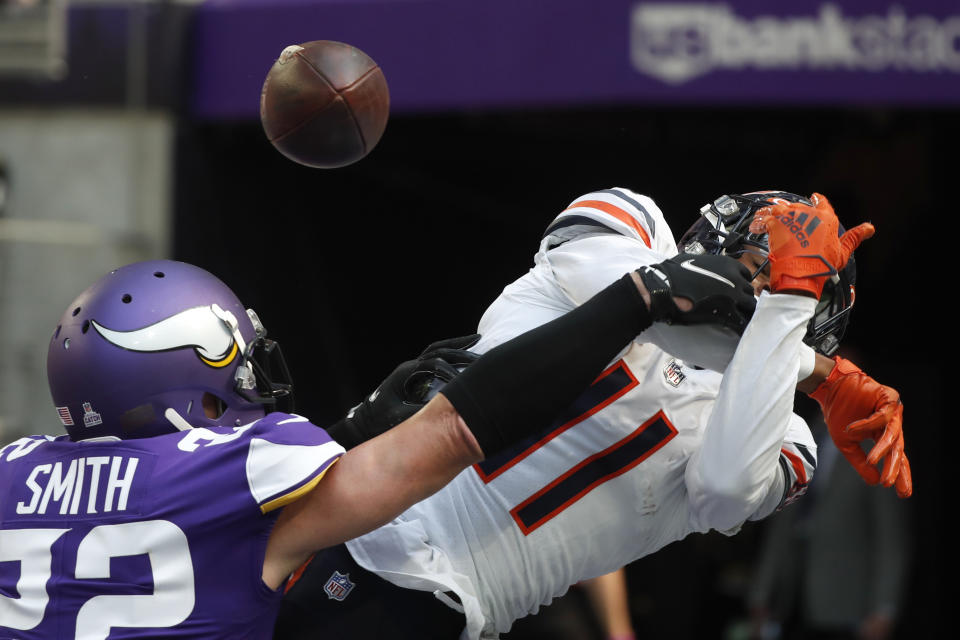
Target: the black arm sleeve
pixel 519 387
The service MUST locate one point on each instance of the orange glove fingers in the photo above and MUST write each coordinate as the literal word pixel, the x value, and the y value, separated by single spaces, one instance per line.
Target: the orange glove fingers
pixel 891 465
pixel 858 460
pixel 821 203
pixel 892 436
pixel 852 239
pixel 876 421
pixel 845 397
pixel 904 484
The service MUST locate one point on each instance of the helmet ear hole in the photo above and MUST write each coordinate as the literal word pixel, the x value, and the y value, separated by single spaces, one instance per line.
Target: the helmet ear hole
pixel 213 407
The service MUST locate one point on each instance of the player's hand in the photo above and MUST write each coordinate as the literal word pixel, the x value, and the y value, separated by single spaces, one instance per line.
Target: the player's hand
pixel 717 286
pixel 856 408
pixel 803 243
pixel 404 391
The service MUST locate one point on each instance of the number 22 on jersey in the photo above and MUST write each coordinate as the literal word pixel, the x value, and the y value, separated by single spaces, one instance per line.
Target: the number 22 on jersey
pixel 596 469
pixel 165 544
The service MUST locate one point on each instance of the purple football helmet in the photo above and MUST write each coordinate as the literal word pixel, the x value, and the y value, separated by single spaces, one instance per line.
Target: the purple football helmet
pixel 140 352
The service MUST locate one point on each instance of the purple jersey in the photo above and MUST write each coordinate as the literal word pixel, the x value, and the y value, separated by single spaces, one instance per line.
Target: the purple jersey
pixel 160 537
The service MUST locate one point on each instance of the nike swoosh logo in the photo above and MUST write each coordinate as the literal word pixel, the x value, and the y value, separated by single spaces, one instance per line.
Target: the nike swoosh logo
pixel 689 266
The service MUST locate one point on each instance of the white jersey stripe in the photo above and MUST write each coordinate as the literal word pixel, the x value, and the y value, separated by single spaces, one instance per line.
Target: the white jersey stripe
pixel 274 470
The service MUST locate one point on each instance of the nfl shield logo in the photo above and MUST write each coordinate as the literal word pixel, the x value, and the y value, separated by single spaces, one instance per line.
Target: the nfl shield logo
pixel 673 373
pixel 338 587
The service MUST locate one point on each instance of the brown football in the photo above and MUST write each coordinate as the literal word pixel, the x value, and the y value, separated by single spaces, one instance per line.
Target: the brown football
pixel 324 104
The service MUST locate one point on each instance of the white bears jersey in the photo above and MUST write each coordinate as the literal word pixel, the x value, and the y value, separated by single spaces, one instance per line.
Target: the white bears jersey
pixel 654 450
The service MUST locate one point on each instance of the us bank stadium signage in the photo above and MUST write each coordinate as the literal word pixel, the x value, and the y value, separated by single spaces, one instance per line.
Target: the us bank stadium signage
pixel 676 42
pixel 504 54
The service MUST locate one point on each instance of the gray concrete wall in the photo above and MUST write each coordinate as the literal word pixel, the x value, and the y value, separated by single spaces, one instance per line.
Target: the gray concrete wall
pixel 89 191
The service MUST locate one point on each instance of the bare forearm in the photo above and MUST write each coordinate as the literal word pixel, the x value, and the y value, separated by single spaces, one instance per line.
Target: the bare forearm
pixel 821 369
pixel 372 484
pixel 426 452
pixel 389 473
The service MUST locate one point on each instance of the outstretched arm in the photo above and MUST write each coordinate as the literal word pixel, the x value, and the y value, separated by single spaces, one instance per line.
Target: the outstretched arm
pixel 371 484
pixel 733 475
pixel 855 406
pixel 736 471
pixel 512 391
pixel 715 290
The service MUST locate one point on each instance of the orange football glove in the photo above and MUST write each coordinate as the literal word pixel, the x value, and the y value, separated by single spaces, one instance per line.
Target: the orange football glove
pixel 803 243
pixel 856 407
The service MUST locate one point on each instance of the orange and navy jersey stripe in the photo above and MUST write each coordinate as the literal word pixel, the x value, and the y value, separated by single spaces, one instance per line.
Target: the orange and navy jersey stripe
pixel 296 575
pixel 617 210
pixel 797 463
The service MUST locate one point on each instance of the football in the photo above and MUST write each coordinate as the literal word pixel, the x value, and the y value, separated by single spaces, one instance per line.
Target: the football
pixel 324 104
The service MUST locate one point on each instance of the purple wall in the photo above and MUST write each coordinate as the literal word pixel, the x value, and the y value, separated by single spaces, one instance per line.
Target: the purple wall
pixel 443 55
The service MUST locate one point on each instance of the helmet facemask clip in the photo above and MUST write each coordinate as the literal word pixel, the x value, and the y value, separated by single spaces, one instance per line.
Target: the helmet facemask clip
pixel 263 376
pixel 262 360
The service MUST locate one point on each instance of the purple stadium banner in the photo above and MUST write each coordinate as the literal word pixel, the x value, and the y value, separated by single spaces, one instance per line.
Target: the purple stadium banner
pixel 441 55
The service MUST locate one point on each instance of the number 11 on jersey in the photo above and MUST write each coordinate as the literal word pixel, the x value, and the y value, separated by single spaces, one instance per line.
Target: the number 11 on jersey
pixel 590 473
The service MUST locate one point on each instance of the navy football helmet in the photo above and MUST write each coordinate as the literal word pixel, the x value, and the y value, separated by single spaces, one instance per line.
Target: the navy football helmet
pixel 724 228
pixel 145 348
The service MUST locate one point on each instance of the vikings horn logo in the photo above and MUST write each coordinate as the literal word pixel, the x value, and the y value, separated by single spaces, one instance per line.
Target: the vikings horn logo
pixel 201 328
